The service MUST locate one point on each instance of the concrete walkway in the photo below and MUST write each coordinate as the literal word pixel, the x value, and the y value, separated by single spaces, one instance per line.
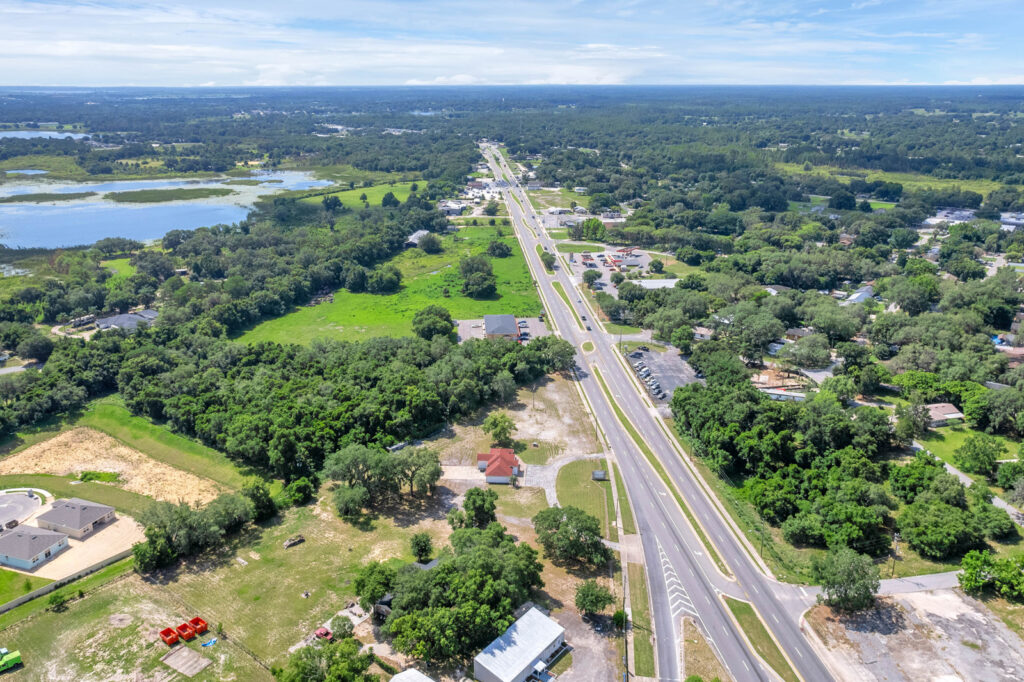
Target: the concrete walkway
pixel 545 475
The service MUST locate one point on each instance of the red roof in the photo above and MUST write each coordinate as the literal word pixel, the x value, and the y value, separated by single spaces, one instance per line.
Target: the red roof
pixel 500 462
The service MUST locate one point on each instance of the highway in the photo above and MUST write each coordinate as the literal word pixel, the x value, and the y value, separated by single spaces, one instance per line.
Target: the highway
pixel 683 579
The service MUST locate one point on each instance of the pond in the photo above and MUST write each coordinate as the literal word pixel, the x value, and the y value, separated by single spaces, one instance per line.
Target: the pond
pixel 86 220
pixel 29 134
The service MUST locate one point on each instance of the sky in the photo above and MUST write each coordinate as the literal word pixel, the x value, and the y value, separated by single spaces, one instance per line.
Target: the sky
pixel 476 42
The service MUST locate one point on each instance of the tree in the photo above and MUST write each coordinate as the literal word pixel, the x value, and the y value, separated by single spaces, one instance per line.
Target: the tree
pixel 938 530
pixel 372 582
pixel 479 506
pixel 548 259
pixel 979 453
pixel 656 265
pixel 350 501
pixel 478 279
pixel 842 200
pixel 976 571
pixel 498 249
pixel 491 208
pixel 593 598
pixel 849 580
pixel 500 427
pixel 390 200
pixel 338 661
pixel 36 347
pixel 421 546
pixel 591 276
pixel 258 492
pixel 432 321
pixel 808 351
pixel 570 534
pixel 429 243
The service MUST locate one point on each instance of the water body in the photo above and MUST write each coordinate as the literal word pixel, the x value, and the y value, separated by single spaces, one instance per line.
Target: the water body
pixel 29 134
pixel 84 221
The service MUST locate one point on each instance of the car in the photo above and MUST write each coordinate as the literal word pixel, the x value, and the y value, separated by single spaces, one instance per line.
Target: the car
pixel 645 373
pixel 583 317
pixel 324 634
pixel 524 323
pixel 588 327
pixel 644 349
pixel 639 365
pixel 524 335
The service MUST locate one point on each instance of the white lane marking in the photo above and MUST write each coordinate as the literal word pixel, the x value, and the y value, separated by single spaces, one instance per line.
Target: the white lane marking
pixel 745 665
pixel 775 618
pixel 803 591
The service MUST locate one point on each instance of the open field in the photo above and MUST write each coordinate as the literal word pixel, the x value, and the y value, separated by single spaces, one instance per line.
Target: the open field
pixel 643 647
pixel 519 503
pixel 554 198
pixel 121 267
pixel 350 197
pixel 152 196
pixel 45 197
pixel 344 174
pixel 944 441
pixel 580 248
pixel 910 181
pixel 576 489
pixel 82 449
pixel 425 277
pixel 759 638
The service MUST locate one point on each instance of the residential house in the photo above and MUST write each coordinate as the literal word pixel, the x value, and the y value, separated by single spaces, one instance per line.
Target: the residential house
pixel 27 548
pixel 127 321
pixel 775 289
pixel 940 414
pixel 797 333
pixel 784 395
pixel 500 465
pixel 579 190
pixel 533 185
pixel 702 333
pixel 522 652
pixel 75 517
pixel 411 675
pixel 859 296
pixel 500 327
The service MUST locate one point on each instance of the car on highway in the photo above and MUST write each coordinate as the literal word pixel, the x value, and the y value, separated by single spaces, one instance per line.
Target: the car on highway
pixel 588 328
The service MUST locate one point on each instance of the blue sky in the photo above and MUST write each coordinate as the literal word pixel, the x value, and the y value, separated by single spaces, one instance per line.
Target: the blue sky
pixel 421 42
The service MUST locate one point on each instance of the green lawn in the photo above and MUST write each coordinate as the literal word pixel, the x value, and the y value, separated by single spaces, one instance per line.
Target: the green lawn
pixel 152 196
pixel 588 346
pixel 575 488
pixel 424 279
pixel 13 585
pixel 521 503
pixel 943 442
pixel 910 181
pixel 558 233
pixel 762 642
pixel 580 248
pixel 350 197
pixel 121 268
pixel 44 197
pixel 613 328
pixel 643 647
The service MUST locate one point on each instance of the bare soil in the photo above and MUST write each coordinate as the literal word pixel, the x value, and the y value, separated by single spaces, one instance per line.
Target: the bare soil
pixel 85 449
pixel 698 657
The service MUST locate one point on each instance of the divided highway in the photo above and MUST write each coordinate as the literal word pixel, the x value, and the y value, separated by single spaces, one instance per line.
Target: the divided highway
pixel 683 579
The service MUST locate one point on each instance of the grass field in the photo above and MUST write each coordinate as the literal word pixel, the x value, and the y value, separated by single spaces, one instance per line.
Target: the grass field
pixel 553 198
pixel 344 174
pixel 576 489
pixel 153 196
pixel 762 642
pixel 121 268
pixel 13 585
pixel 628 524
pixel 350 197
pixel 424 279
pixel 522 503
pixel 580 248
pixel 43 197
pixel 910 181
pixel 943 442
pixel 643 647
pixel 588 347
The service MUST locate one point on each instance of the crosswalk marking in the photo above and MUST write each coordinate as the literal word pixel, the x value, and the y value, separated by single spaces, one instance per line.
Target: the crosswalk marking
pixel 679 600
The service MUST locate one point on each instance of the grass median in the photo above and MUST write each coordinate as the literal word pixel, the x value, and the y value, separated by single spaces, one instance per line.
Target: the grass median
pixel 760 639
pixel 628 524
pixel 565 297
pixel 656 463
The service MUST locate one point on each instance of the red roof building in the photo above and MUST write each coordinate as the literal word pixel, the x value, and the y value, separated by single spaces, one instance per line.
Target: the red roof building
pixel 499 465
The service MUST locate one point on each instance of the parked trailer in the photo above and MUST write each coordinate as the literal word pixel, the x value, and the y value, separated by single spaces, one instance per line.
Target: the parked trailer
pixel 170 636
pixel 9 659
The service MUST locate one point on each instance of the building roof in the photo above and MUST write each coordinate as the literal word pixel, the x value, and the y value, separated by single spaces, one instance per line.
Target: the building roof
pixel 521 645
pixel 500 324
pixel 411 675
pixel 75 513
pixel 799 331
pixel 127 320
pixel 500 462
pixel 943 411
pixel 416 236
pixel 655 283
pixel 25 542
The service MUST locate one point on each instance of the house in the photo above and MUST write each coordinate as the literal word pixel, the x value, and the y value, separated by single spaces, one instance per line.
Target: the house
pixel 579 190
pixel 859 296
pixel 415 237
pixel 26 547
pixel 610 215
pixel 532 185
pixel 580 210
pixel 775 289
pixel 500 327
pixel 449 208
pixel 522 652
pixel 558 211
pixel 940 414
pixel 702 333
pixel 500 465
pixel 411 675
pixel 797 333
pixel 784 395
pixel 75 517
pixel 127 321
pixel 846 239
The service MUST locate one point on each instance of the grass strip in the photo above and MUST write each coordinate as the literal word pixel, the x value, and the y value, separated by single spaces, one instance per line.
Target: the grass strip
pixel 643 647
pixel 628 524
pixel 656 463
pixel 13 585
pixel 565 297
pixel 42 197
pixel 540 252
pixel 152 196
pixel 759 638
pixel 86 584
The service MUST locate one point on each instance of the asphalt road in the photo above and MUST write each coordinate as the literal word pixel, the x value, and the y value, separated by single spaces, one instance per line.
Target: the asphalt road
pixel 683 579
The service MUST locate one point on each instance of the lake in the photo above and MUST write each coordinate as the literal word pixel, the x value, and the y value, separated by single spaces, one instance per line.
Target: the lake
pixel 28 134
pixel 84 221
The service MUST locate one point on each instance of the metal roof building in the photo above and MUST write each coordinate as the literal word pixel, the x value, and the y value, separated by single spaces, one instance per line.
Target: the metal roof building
pixel 525 649
pixel 411 675
pixel 128 320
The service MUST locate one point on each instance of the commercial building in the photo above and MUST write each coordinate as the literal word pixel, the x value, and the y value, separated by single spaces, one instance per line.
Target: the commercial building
pixel 75 517
pixel 523 651
pixel 127 321
pixel 501 327
pixel 27 547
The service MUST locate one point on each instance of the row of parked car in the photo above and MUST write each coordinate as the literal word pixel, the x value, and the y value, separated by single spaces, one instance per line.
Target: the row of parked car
pixel 647 377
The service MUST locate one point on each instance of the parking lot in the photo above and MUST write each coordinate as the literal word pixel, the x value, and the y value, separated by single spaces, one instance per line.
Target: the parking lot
pixel 668 369
pixel 474 329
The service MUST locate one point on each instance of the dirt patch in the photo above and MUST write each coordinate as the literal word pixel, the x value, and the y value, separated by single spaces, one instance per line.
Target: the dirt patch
pixel 698 657
pixel 120 620
pixel 936 635
pixel 84 449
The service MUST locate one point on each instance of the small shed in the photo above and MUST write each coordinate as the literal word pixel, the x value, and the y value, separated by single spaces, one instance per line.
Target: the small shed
pixel 599 475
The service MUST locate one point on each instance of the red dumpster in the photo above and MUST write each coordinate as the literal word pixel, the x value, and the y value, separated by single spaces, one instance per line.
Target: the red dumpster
pixel 186 631
pixel 169 636
pixel 198 624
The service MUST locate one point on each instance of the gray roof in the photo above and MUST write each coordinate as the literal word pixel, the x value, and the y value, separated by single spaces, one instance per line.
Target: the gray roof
pixel 500 324
pixel 416 236
pixel 521 645
pixel 411 675
pixel 75 513
pixel 25 542
pixel 127 320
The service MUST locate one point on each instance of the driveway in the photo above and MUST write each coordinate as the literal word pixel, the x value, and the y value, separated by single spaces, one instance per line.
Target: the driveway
pixel 545 475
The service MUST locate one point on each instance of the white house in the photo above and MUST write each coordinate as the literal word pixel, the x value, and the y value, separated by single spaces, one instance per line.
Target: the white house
pixel 411 675
pixel 783 394
pixel 524 650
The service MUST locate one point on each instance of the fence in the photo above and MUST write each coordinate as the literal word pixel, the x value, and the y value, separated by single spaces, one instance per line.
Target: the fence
pixel 57 584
